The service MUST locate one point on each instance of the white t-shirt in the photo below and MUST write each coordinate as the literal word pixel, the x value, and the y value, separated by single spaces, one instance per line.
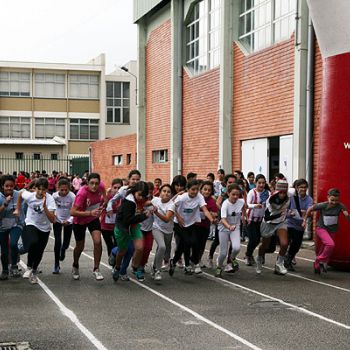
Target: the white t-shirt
pixel 35 214
pixel 232 212
pixel 163 208
pixel 189 208
pixel 64 205
pixel 146 225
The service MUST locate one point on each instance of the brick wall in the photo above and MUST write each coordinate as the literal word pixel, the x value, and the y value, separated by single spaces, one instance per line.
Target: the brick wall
pixel 158 89
pixel 317 114
pixel 263 95
pixel 102 157
pixel 201 123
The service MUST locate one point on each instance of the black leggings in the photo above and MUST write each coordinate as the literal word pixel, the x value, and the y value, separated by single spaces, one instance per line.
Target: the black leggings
pixel 37 246
pixel 67 234
pixel 108 237
pixel 253 230
pixel 295 238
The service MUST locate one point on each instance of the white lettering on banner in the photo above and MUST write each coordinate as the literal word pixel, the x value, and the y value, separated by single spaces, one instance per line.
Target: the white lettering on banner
pixel 346 145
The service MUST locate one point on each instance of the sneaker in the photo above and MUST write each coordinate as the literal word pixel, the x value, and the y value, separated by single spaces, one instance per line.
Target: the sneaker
pixel 235 265
pixel 210 263
pixel 56 270
pixel 27 273
pixel 323 267
pixel 140 275
pixel 197 269
pixel 172 267
pixel 158 276
pixel 249 260
pixel 218 272
pixel 180 264
pixel 14 272
pixel 279 268
pixel 228 268
pixel 98 275
pixel 62 254
pixel 4 276
pixel 111 260
pixel 288 264
pixel 202 265
pixel 165 267
pixel 124 278
pixel 75 273
pixel 317 268
pixel 188 270
pixel 115 274
pixel 33 279
pixel 259 263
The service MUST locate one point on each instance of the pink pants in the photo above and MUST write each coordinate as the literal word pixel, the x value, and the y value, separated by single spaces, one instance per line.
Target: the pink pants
pixel 326 245
pixel 147 246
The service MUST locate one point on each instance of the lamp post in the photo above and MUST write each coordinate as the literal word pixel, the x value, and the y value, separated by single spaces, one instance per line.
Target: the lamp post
pixel 125 69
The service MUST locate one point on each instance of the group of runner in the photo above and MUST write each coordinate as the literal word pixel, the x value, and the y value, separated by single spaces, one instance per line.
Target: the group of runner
pixel 131 214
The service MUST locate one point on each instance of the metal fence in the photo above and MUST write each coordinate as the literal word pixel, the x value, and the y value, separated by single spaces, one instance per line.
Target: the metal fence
pixel 28 164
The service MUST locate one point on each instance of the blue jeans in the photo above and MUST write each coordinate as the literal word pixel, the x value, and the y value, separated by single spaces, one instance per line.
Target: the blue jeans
pixel 12 237
pixel 4 244
pixel 127 257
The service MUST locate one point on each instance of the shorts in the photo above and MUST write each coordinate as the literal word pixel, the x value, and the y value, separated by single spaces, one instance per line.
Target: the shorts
pixel 268 230
pixel 123 239
pixel 80 230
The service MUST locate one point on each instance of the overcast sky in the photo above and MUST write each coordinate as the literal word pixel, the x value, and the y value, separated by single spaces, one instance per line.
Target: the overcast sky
pixel 72 31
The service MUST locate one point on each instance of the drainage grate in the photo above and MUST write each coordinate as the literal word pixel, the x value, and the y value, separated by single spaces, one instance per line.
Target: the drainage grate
pixel 15 346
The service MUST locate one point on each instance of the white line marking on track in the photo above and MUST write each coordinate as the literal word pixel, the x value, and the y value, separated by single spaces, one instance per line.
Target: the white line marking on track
pixel 70 314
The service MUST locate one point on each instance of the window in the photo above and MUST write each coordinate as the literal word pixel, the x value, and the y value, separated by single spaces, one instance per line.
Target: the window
pixel 48 128
pixel 118 159
pixel 54 156
pixel 36 156
pixel 15 127
pixel 118 102
pixel 84 129
pixel 203 36
pixel 14 84
pixel 128 158
pixel 265 22
pixel 19 155
pixel 49 85
pixel 84 86
pixel 160 156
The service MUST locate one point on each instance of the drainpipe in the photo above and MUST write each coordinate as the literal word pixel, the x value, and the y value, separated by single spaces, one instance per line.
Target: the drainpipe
pixel 310 104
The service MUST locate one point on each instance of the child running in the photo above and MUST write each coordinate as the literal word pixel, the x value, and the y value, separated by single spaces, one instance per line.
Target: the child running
pixel 163 225
pixel 327 226
pixel 64 200
pixel 232 212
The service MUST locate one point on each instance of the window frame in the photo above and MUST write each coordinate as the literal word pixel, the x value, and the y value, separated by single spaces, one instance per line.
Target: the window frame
pixel 157 157
pixel 119 158
pixel 79 124
pixel 124 102
pixel 43 122
pixel 24 126
pixel 21 92
pixel 81 83
pixel 46 80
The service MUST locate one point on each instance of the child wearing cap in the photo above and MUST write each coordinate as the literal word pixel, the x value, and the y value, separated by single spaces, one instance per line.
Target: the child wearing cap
pixel 275 223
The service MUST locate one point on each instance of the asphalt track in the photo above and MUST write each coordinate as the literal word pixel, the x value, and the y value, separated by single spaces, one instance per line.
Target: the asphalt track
pixel 239 311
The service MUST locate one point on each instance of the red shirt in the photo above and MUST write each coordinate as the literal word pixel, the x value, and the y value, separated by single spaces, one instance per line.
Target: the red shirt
pixel 20 181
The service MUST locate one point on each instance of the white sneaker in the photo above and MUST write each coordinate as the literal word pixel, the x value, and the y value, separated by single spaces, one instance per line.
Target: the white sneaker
pixel 33 279
pixel 197 269
pixel 75 273
pixel 27 273
pixel 157 276
pixel 280 269
pixel 98 275
pixel 258 261
pixel 124 277
pixel 165 267
pixel 228 268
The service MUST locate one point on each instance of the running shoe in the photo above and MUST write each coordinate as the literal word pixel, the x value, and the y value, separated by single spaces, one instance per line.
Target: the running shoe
pixel 124 278
pixel 140 275
pixel 279 268
pixel 62 254
pixel 188 270
pixel 258 261
pixel 33 279
pixel 115 274
pixel 210 263
pixel 171 267
pixel 4 276
pixel 228 268
pixel 317 268
pixel 98 275
pixel 14 272
pixel 75 273
pixel 288 264
pixel 323 267
pixel 56 270
pixel 197 269
pixel 180 264
pixel 165 267
pixel 218 272
pixel 27 273
pixel 158 276
pixel 111 260
pixel 249 260
pixel 235 265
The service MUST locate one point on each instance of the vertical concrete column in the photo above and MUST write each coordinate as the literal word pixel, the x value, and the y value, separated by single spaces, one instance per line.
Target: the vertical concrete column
pixel 177 29
pixel 103 104
pixel 226 86
pixel 141 98
pixel 300 88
